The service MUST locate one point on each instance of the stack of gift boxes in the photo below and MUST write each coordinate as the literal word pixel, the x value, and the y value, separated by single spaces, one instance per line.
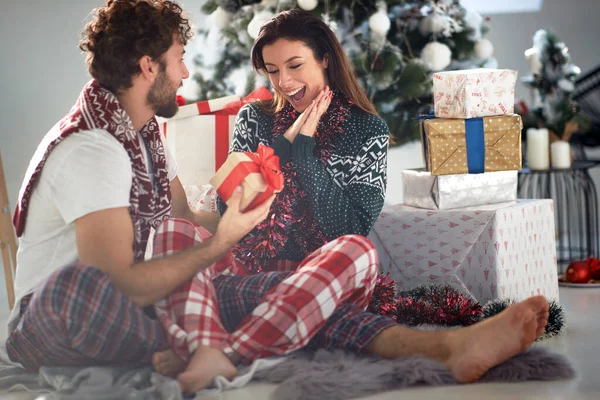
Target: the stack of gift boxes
pixel 461 224
pixel 472 147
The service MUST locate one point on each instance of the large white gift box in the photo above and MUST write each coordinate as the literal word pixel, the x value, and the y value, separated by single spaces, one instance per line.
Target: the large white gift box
pixel 474 93
pixel 504 251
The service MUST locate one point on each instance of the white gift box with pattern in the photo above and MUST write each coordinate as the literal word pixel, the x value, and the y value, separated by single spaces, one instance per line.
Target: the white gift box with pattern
pixel 474 93
pixel 505 250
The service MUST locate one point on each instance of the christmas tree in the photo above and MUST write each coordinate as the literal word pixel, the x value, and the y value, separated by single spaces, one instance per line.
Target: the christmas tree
pixel 394 46
pixel 553 82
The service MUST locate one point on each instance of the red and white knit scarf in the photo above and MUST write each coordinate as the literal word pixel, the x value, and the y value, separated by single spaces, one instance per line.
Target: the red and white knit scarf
pixel 98 108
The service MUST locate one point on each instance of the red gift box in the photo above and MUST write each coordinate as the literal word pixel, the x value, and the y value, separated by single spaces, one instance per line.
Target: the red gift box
pixel 258 174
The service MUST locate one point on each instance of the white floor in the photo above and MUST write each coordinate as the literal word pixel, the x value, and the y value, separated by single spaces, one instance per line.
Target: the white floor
pixel 581 342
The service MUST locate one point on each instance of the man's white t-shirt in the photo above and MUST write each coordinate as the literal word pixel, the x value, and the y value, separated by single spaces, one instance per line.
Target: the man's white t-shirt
pixel 88 171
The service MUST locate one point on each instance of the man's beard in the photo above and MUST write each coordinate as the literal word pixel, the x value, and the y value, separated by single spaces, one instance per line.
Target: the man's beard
pixel 162 98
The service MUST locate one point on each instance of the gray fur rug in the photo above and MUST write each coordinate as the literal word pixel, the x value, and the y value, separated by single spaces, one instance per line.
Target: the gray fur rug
pixel 306 376
pixel 338 376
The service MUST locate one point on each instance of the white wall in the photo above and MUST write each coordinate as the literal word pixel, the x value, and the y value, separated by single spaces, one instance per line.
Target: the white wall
pixel 42 69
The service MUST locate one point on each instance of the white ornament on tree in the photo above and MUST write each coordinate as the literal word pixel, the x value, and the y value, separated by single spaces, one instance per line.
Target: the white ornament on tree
pixel 379 22
pixel 439 23
pixel 257 22
pixel 436 56
pixel 308 5
pixel 484 49
pixel 221 18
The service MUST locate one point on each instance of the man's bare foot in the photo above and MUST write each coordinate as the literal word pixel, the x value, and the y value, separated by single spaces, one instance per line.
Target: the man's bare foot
pixel 206 364
pixel 167 363
pixel 477 348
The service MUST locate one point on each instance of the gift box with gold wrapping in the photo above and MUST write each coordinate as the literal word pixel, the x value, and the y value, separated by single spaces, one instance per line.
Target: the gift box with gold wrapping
pixel 471 146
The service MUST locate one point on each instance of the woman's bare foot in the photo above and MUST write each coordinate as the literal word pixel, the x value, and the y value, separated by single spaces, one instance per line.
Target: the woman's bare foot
pixel 206 364
pixel 477 348
pixel 167 363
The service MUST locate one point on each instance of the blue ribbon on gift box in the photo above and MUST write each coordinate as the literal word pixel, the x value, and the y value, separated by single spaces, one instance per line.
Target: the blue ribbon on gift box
pixel 474 139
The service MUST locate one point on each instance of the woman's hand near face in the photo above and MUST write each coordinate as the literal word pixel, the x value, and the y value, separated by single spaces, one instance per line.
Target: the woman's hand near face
pixel 293 130
pixel 315 111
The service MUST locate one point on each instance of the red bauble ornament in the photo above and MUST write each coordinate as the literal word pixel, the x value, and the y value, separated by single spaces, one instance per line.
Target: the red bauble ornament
pixel 578 272
pixel 594 265
pixel 181 101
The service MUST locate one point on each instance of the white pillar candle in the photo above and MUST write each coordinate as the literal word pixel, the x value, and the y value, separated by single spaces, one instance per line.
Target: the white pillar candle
pixel 538 155
pixel 561 155
pixel 533 59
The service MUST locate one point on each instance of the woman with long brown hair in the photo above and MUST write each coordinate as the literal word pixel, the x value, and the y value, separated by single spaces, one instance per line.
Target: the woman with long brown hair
pixel 331 143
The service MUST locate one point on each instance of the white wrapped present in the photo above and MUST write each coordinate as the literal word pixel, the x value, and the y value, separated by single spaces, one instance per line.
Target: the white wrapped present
pixel 495 251
pixel 474 93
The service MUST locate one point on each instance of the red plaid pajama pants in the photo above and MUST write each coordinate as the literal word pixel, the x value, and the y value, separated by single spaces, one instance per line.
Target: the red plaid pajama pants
pixel 77 317
pixel 291 313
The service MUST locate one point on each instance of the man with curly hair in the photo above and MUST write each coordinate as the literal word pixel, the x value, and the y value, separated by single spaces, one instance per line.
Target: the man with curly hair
pixel 99 181
pixel 102 178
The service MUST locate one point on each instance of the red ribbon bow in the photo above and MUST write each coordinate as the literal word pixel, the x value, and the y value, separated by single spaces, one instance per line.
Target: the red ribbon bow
pixel 268 164
pixel 265 162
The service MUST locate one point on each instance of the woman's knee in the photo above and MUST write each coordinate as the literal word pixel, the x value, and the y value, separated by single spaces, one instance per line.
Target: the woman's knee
pixel 360 247
pixel 360 252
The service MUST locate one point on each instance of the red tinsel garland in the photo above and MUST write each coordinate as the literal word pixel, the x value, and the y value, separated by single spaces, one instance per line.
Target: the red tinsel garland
pixel 383 301
pixel 437 305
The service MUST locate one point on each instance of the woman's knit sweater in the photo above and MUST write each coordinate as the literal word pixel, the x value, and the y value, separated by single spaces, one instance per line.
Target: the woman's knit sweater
pixel 346 194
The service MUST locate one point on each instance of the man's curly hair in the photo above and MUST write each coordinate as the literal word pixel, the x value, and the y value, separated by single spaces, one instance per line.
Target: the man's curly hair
pixel 124 31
